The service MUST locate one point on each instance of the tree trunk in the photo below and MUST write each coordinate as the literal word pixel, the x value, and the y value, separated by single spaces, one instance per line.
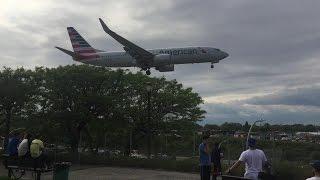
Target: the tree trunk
pixel 74 149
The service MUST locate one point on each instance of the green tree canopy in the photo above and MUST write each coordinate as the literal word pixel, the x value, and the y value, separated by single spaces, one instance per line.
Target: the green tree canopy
pixel 66 104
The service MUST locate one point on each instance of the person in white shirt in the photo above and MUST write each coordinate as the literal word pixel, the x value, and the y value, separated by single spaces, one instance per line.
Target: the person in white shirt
pixel 316 170
pixel 254 159
pixel 24 146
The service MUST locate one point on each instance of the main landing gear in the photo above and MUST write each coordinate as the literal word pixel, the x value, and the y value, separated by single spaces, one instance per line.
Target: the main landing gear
pixel 212 66
pixel 148 72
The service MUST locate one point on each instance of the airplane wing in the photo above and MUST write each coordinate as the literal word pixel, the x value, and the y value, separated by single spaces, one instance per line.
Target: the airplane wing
pixel 143 57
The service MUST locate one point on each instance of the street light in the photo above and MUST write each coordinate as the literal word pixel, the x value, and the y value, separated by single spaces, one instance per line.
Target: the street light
pixel 260 120
pixel 149 89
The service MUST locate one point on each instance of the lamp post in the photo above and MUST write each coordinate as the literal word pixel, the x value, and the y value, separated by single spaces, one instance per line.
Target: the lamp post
pixel 149 89
pixel 260 120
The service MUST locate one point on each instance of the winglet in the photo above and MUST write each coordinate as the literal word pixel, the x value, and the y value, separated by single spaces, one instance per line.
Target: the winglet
pixel 104 26
pixel 66 51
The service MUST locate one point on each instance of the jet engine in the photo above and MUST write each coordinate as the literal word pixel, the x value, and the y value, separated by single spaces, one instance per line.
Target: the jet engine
pixel 162 59
pixel 165 68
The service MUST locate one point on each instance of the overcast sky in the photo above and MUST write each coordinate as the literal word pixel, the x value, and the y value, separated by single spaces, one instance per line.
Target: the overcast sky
pixel 274 46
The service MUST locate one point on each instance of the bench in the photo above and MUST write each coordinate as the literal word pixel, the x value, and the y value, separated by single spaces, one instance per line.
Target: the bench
pixel 22 164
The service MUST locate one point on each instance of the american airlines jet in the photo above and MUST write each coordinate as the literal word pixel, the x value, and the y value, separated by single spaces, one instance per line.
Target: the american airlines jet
pixel 133 55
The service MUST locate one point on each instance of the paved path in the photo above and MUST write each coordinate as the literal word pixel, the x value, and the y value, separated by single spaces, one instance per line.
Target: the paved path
pixel 106 173
pixel 115 173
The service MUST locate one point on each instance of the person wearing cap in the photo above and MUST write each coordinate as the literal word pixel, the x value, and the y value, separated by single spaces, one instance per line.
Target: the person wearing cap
pixel 316 170
pixel 254 159
pixel 205 161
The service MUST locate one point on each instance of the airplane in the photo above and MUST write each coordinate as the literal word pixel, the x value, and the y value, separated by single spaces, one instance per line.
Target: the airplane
pixel 133 55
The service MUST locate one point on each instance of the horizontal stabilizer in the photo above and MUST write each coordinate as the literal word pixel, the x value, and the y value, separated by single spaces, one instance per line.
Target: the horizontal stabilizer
pixel 66 51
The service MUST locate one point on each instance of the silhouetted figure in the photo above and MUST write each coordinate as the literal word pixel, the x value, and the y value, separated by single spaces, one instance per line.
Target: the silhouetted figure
pixel 216 156
pixel 205 161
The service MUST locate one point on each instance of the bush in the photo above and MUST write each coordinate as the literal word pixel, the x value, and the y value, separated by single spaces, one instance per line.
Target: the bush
pixel 286 169
pixel 186 165
pixel 315 155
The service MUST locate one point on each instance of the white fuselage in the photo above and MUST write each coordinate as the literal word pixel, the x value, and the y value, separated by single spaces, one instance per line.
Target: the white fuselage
pixel 177 56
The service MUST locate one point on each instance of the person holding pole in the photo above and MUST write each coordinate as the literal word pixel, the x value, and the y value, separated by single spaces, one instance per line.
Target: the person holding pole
pixel 254 159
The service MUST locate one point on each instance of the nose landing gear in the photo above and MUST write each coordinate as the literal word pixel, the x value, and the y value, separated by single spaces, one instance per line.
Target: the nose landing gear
pixel 148 72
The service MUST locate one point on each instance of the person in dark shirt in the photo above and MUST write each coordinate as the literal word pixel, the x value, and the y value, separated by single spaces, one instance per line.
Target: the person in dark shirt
pixel 13 144
pixel 205 162
pixel 216 160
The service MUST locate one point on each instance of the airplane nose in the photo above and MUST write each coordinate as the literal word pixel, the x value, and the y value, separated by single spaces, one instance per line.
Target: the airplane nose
pixel 224 55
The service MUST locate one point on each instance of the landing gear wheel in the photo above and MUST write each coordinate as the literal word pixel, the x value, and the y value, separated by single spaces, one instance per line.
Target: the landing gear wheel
pixel 148 72
pixel 212 66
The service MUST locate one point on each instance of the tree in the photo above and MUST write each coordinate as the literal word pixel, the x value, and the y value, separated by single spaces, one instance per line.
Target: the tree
pixel 95 104
pixel 16 90
pixel 246 126
pixel 231 126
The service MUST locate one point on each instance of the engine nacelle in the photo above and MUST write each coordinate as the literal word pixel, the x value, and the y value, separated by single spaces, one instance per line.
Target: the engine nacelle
pixel 162 59
pixel 165 68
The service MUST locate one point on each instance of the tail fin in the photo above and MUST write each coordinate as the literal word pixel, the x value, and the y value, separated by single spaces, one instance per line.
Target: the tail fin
pixel 79 44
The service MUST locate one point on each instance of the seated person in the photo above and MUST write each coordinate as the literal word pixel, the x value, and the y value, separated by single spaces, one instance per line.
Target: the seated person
pixel 37 152
pixel 13 144
pixel 24 146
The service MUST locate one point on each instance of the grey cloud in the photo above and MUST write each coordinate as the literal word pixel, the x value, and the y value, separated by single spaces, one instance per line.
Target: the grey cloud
pixel 288 106
pixel 297 97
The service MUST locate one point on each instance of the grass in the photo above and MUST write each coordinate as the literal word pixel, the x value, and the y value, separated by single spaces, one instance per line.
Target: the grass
pixel 186 165
pixel 4 178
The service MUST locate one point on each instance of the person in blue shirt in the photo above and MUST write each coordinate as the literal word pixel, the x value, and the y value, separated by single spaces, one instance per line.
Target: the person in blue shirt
pixel 13 144
pixel 205 160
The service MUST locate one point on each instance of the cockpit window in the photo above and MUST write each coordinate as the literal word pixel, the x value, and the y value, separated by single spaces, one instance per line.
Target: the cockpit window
pixel 218 49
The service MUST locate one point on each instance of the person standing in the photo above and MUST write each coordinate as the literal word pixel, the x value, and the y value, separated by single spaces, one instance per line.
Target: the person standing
pixel 205 161
pixel 316 170
pixel 216 156
pixel 254 159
